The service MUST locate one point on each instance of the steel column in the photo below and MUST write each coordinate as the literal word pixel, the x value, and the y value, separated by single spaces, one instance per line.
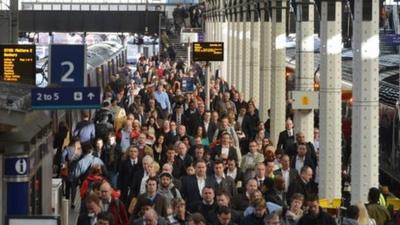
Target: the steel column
pixel 365 118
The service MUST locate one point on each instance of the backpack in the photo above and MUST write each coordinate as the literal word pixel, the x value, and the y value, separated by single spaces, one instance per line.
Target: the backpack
pixel 174 192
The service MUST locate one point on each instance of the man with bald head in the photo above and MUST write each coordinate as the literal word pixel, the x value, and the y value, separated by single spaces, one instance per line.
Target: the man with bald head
pixel 277 194
pixel 113 205
pixel 286 137
pixel 243 200
pixel 301 139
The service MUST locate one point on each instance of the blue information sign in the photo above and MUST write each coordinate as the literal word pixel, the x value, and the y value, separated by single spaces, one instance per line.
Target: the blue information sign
pixel 16 166
pixel 67 65
pixel 393 39
pixel 66 98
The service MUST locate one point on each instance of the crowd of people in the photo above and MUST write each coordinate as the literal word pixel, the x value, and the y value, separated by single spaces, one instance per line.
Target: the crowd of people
pixel 153 154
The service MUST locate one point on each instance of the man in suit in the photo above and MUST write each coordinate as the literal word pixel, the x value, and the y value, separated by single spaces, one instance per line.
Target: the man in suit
pixel 301 159
pixel 243 199
pixel 276 193
pixel 233 171
pixel 224 215
pixel 224 200
pixel 225 150
pixel 261 177
pixel 183 159
pixel 127 170
pixel 209 127
pixel 193 118
pixel 192 186
pixel 150 217
pixel 286 137
pixel 221 181
pixel 300 139
pixel 178 116
pixel 288 174
pixel 303 184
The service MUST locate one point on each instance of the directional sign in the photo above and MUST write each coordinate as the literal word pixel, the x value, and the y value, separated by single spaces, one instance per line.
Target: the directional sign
pixel 67 65
pixel 392 39
pixel 66 98
pixel 16 166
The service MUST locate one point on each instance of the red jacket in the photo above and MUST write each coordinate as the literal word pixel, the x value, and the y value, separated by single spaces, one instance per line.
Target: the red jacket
pixel 118 210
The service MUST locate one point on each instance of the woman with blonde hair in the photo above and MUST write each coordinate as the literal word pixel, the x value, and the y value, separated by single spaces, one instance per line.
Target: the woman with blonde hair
pixel 363 218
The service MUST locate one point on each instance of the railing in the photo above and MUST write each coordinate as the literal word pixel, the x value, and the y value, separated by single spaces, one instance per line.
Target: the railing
pixel 93 6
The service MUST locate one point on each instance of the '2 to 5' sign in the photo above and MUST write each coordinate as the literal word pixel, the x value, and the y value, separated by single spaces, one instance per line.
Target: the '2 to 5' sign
pixel 67 65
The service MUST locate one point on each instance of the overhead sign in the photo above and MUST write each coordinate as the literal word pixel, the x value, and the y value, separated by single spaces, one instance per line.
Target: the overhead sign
pixel 393 39
pixel 304 99
pixel 66 98
pixel 18 64
pixel 208 51
pixel 67 65
pixel 16 166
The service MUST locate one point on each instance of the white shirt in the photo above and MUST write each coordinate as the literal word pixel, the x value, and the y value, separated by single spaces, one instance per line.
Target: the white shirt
pixel 299 163
pixel 143 183
pixel 285 175
pixel 224 151
pixel 290 132
pixel 201 183
pixel 206 124
pixel 219 179
pixel 232 174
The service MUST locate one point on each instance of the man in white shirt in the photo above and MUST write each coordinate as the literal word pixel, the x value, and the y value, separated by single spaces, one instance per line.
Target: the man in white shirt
pixel 288 174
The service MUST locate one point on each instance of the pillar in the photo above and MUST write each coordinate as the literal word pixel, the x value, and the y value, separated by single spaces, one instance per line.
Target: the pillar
pixel 265 61
pixel 330 100
pixel 278 72
pixel 239 46
pixel 365 118
pixel 255 55
pixel 247 56
pixel 14 21
pixel 304 119
pixel 234 50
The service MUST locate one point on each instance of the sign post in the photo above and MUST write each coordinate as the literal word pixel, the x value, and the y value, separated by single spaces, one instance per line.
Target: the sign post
pixel 208 51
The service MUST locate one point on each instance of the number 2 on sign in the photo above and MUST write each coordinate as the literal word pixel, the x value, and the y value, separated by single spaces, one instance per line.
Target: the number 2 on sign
pixel 65 77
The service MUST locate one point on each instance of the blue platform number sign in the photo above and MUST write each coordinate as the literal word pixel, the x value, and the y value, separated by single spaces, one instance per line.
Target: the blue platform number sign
pixel 67 65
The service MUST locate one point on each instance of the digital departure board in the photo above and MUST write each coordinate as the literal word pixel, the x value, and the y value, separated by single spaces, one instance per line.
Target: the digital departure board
pixel 18 64
pixel 208 51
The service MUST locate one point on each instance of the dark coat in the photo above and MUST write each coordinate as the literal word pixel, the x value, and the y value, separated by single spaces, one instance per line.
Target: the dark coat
pixel 241 202
pixel 284 141
pixel 292 152
pixel 208 211
pixel 249 125
pixel 323 218
pixel 190 190
pixel 160 204
pixel 192 122
pixel 125 178
pixel 216 153
pixel 227 184
pixel 212 127
pixel 181 164
pixel 274 196
pixel 307 162
pixel 252 220
pixel 293 174
pixel 298 186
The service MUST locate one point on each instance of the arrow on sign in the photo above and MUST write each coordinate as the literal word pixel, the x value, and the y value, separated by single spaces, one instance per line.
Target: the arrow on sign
pixel 91 95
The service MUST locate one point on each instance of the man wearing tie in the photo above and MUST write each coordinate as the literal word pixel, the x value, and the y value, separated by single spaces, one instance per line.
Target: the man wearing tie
pixel 286 137
pixel 127 170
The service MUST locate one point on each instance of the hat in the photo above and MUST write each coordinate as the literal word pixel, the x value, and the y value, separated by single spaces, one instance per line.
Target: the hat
pixel 165 174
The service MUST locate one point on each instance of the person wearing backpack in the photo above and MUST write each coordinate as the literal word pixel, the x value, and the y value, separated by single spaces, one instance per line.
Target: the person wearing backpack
pixel 95 175
pixel 167 188
pixel 88 160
